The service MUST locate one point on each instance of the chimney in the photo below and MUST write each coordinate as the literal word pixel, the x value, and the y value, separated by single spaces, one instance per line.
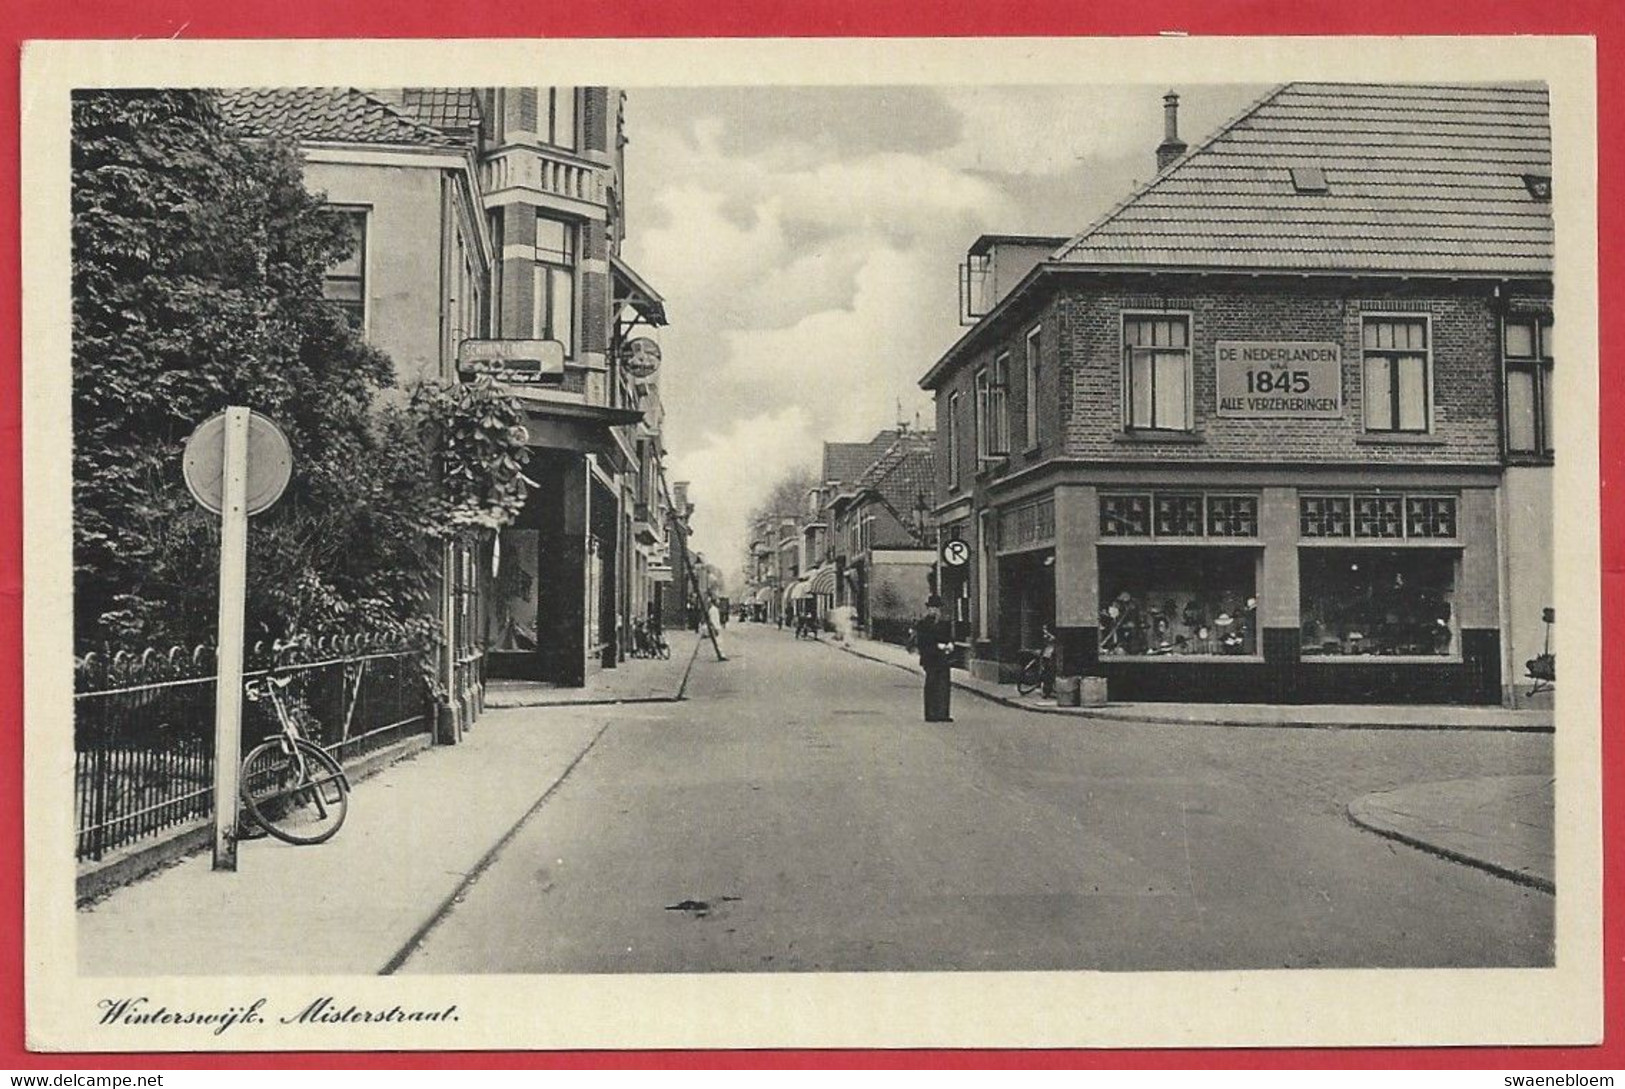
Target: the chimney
pixel 1172 147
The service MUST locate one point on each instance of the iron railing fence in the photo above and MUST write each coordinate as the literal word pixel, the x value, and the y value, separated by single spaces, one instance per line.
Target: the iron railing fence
pixel 144 727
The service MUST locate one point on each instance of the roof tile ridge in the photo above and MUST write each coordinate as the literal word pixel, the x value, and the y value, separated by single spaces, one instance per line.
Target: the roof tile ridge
pixel 1162 176
pixel 394 111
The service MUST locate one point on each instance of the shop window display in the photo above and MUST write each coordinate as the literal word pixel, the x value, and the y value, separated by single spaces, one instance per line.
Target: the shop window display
pixel 1369 601
pixel 1178 601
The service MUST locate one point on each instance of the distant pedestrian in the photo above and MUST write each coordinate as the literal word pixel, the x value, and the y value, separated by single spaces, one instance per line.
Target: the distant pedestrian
pixel 713 619
pixel 935 645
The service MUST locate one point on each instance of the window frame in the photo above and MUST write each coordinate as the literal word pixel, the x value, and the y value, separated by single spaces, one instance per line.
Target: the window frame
pixel 363 213
pixel 994 396
pixel 550 136
pixel 546 265
pixel 1126 371
pixel 1539 365
pixel 1034 362
pixel 1393 356
pixel 1406 539
pixel 954 476
pixel 1204 517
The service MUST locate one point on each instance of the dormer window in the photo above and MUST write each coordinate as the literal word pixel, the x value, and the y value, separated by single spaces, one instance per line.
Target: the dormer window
pixel 1309 179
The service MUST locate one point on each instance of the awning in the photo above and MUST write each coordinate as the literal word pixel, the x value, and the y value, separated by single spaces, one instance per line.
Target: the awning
pixel 823 580
pixel 796 591
pixel 631 290
pixel 764 596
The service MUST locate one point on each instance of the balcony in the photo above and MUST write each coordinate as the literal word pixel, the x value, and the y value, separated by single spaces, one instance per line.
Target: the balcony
pixel 546 171
pixel 645 527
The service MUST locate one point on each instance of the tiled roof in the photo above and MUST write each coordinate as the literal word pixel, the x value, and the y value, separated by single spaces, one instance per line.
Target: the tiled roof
pixel 1417 179
pixel 904 473
pixel 339 114
pixel 455 109
pixel 844 462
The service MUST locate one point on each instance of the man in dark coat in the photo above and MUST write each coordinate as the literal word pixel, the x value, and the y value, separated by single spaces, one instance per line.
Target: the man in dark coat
pixel 932 638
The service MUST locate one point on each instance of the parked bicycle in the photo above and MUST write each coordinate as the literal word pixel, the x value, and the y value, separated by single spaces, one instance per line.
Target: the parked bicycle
pixel 1038 669
pixel 649 641
pixel 291 787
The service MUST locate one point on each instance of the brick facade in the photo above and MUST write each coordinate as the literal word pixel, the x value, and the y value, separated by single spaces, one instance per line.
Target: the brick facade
pixel 1084 445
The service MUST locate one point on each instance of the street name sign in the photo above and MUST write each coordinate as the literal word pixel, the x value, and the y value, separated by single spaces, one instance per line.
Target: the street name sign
pixel 1279 379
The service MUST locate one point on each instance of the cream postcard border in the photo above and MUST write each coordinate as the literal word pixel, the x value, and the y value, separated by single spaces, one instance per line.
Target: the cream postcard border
pixel 951 1009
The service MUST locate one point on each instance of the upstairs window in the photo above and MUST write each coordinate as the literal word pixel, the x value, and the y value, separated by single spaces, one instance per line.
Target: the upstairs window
pixel 1034 343
pixel 345 282
pixel 1395 351
pixel 1157 372
pixel 953 442
pixel 992 410
pixel 1527 350
pixel 558 126
pixel 553 304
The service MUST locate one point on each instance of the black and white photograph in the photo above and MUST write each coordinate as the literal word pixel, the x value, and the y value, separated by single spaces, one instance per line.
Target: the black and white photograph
pixel 811 544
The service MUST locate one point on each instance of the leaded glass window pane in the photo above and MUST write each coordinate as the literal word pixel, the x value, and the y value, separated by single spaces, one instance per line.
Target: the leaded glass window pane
pixel 1125 516
pixel 1232 516
pixel 1430 516
pixel 1179 515
pixel 1324 515
pixel 1378 516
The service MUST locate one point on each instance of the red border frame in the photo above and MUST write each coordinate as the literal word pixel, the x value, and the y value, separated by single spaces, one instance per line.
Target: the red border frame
pixel 196 19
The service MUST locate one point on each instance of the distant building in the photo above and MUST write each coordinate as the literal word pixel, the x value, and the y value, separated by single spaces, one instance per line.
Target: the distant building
pixel 1277 427
pixel 883 535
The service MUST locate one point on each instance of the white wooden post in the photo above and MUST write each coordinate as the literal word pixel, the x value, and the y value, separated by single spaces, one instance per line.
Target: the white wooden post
pixel 228 694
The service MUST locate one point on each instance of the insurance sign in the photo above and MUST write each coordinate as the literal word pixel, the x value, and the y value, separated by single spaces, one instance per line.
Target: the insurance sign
pixel 1280 379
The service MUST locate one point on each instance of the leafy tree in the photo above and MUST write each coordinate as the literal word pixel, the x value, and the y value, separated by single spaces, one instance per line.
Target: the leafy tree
pixel 198 259
pixel 788 497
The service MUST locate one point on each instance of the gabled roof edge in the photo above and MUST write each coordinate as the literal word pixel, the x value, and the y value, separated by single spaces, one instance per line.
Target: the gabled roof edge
pixel 1162 175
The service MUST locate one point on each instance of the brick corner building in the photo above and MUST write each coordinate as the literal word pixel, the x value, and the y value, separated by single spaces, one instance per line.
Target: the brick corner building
pixel 1276 428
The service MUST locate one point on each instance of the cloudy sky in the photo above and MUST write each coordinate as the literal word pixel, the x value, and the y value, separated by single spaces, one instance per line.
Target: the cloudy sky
pixel 807 242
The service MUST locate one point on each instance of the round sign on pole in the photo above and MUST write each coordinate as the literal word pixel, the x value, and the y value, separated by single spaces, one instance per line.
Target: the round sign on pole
pixel 270 462
pixel 955 553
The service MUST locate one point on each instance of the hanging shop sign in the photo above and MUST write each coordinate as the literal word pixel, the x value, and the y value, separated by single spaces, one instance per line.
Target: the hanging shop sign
pixel 1280 379
pixel 516 361
pixel 642 357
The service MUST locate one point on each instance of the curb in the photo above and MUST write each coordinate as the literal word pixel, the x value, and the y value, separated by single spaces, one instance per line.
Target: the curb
pixel 682 687
pixel 138 861
pixel 453 898
pixel 607 701
pixel 1227 723
pixel 1517 877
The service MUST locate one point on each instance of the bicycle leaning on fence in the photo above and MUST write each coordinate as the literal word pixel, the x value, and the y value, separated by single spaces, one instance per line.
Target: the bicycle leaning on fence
pixel 291 787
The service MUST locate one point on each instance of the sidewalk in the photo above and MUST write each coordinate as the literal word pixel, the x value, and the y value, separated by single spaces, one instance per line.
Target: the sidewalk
pixel 415 833
pixel 1302 716
pixel 636 680
pixel 1503 825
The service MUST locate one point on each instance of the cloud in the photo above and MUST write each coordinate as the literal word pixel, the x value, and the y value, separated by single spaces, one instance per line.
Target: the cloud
pixel 835 121
pixel 807 242
pixel 733 467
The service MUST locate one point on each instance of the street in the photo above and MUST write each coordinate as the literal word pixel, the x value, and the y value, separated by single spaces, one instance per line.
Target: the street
pixel 795 814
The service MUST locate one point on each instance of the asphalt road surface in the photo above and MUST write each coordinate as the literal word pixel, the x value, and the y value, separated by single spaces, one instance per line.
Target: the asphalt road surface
pixel 795 814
